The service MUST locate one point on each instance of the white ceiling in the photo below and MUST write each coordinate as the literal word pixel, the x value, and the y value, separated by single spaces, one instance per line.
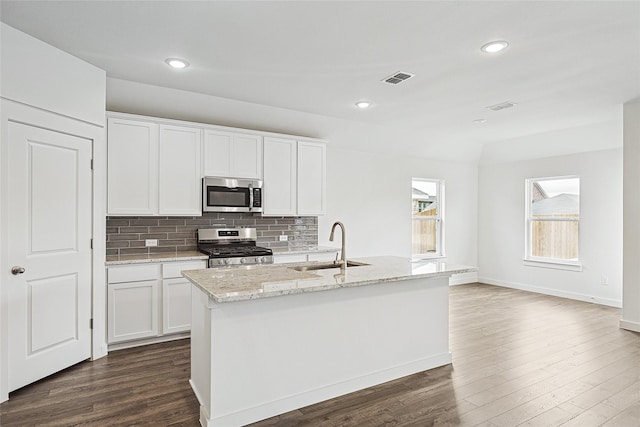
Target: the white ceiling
pixel 569 63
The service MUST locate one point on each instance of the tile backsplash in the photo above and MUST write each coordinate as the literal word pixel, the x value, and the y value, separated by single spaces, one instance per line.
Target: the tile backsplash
pixel 126 235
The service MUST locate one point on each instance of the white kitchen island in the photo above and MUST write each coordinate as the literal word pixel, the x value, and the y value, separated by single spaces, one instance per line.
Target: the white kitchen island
pixel 269 339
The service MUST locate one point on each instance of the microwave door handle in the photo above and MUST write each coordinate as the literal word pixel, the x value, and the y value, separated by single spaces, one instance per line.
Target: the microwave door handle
pixel 250 197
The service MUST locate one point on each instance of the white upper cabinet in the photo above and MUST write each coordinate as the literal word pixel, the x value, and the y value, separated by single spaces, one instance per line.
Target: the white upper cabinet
pixel 294 177
pixel 312 159
pixel 153 169
pixel 232 155
pixel 280 170
pixel 132 167
pixel 179 171
pixel 155 166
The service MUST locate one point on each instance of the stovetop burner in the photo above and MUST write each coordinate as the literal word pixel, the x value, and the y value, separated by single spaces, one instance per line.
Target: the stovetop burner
pixel 235 251
pixel 230 246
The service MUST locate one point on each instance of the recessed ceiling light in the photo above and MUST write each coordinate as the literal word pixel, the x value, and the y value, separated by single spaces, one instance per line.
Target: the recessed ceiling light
pixel 363 104
pixel 177 63
pixel 494 46
pixel 480 121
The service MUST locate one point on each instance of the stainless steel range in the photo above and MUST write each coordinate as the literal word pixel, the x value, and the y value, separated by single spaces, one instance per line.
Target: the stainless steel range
pixel 232 246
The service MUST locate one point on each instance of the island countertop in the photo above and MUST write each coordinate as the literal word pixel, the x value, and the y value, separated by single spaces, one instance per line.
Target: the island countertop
pixel 228 284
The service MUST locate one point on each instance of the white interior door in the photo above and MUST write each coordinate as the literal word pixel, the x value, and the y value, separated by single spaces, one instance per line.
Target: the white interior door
pixel 49 214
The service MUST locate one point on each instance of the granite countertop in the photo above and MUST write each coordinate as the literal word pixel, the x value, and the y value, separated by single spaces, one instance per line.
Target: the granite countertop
pixel 162 257
pixel 195 255
pixel 227 284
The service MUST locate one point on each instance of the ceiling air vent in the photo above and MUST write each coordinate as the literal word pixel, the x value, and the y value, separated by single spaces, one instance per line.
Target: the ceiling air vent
pixel 502 106
pixel 398 77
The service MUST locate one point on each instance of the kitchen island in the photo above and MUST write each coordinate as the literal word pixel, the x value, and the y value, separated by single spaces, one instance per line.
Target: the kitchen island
pixel 269 339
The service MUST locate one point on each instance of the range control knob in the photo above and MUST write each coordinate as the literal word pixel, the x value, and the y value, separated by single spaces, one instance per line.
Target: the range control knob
pixel 243 260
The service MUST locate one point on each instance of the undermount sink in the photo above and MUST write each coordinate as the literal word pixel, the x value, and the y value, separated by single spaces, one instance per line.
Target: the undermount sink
pixel 327 266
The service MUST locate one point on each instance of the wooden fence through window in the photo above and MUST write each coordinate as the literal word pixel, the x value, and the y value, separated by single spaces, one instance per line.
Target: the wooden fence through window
pixel 555 239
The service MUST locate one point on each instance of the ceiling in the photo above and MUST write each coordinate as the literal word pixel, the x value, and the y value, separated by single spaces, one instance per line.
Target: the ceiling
pixel 569 63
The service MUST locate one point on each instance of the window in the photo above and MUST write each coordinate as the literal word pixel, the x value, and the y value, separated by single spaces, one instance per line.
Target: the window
pixel 553 220
pixel 427 213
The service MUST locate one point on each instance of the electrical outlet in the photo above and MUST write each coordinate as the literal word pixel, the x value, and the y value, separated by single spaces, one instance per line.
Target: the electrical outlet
pixel 284 237
pixel 151 242
pixel 604 280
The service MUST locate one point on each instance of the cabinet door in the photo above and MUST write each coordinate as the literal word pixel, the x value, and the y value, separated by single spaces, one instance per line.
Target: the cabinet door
pixel 232 155
pixel 279 170
pixel 179 171
pixel 311 178
pixel 246 156
pixel 132 168
pixel 176 306
pixel 133 310
pixel 217 153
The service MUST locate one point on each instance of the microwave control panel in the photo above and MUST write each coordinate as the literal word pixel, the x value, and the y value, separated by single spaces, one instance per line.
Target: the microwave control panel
pixel 257 197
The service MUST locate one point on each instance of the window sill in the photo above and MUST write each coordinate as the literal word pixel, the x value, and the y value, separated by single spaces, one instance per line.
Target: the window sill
pixel 554 264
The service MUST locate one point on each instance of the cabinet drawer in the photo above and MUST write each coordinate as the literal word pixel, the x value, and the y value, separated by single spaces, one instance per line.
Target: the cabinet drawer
pixel 323 256
pixel 281 259
pixel 133 273
pixel 174 269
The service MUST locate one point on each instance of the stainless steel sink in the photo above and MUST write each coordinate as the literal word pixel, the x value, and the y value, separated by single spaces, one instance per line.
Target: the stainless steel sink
pixel 327 266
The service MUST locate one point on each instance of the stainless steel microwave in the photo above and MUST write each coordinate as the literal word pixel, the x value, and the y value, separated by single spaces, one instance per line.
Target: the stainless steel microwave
pixel 231 195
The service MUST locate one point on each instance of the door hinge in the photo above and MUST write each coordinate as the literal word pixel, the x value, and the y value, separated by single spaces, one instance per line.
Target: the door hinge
pixel 91 243
pixel 91 164
pixel 90 323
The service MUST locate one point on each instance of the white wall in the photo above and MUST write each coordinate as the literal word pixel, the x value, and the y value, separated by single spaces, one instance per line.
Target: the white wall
pixel 370 192
pixel 35 73
pixel 501 218
pixel 631 291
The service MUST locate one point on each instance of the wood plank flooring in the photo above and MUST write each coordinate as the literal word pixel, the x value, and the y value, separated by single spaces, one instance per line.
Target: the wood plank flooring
pixel 519 359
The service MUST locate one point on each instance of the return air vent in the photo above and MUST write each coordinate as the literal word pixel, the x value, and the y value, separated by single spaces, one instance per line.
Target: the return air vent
pixel 398 77
pixel 502 106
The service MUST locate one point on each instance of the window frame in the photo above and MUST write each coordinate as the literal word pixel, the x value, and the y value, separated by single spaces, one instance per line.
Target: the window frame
pixel 439 218
pixel 547 262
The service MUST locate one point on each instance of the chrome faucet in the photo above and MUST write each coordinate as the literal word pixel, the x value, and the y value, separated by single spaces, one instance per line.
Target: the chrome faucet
pixel 343 256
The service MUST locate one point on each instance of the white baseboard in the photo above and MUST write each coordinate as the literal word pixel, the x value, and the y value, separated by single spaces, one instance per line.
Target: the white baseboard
pixel 279 406
pixel 629 325
pixel 463 278
pixel 553 292
pixel 147 341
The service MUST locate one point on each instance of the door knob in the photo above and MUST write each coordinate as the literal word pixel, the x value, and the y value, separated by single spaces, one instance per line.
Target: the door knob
pixel 16 269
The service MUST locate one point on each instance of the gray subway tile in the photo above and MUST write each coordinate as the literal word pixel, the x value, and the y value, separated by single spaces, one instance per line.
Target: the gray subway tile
pixel 133 251
pixel 138 229
pixel 144 222
pixel 119 222
pixel 116 237
pixel 117 245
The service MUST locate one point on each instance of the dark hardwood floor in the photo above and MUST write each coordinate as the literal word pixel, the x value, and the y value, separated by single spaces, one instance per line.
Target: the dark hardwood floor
pixel 518 359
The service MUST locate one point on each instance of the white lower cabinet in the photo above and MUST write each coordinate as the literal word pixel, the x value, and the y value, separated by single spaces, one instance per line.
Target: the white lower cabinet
pixel 284 258
pixel 148 301
pixel 287 258
pixel 133 310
